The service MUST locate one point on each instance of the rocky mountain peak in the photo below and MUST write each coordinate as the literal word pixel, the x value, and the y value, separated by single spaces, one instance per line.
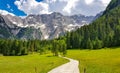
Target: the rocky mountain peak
pixel 45 26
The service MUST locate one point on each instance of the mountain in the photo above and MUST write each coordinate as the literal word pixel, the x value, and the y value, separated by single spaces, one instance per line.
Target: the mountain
pixel 8 29
pixel 98 15
pixel 45 26
pixel 103 32
pixel 4 29
pixel 113 4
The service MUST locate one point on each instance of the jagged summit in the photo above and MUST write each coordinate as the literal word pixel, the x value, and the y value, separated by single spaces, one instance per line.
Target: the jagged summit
pixel 45 26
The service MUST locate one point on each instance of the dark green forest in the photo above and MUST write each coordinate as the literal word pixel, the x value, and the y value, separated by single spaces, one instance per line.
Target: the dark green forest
pixel 103 32
pixel 21 47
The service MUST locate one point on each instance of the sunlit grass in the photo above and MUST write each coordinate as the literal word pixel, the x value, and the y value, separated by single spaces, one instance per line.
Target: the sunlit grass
pixel 29 64
pixel 97 61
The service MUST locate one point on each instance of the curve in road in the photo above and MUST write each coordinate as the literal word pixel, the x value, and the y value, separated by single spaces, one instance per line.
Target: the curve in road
pixel 70 67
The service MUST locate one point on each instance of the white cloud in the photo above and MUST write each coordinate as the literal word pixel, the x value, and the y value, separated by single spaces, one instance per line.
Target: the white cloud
pixel 8 6
pixel 70 5
pixel 4 12
pixel 66 7
pixel 22 17
pixel 51 1
pixel 11 10
pixel 106 2
pixel 89 1
pixel 32 6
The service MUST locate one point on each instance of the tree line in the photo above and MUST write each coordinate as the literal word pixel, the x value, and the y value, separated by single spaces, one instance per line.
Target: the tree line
pixel 103 32
pixel 10 47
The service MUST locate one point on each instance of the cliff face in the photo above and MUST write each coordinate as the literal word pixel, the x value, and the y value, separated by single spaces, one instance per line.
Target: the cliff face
pixel 46 26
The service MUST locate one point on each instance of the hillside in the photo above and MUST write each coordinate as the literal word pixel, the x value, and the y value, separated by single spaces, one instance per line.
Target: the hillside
pixel 44 26
pixel 103 32
pixel 105 60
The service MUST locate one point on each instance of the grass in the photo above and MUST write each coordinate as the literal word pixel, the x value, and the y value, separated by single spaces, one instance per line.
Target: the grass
pixel 97 61
pixel 29 64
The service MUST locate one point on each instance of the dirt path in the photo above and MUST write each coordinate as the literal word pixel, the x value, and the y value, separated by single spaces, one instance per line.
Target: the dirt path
pixel 70 67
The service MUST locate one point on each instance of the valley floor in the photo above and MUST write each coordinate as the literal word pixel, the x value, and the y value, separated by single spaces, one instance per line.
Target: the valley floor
pixel 105 60
pixel 34 63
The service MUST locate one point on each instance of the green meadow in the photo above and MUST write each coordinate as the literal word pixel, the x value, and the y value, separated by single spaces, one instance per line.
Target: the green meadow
pixel 105 60
pixel 33 63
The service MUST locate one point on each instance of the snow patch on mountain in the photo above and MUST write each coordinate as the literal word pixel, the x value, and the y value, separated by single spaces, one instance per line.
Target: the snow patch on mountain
pixel 49 25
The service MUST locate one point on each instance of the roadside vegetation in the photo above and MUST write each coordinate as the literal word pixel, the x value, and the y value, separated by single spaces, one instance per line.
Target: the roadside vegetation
pixel 18 55
pixel 32 63
pixel 106 60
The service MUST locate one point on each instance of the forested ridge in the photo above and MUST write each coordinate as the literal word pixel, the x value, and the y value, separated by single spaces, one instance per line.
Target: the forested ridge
pixel 103 32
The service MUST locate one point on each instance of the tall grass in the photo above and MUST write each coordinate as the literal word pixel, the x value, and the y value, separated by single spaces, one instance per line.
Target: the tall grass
pixel 29 64
pixel 97 61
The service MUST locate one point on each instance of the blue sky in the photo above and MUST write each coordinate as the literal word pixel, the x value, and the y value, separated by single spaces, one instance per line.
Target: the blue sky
pixel 4 5
pixel 13 8
pixel 66 7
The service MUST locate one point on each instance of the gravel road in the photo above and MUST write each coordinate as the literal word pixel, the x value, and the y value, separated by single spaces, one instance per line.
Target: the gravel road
pixel 70 67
